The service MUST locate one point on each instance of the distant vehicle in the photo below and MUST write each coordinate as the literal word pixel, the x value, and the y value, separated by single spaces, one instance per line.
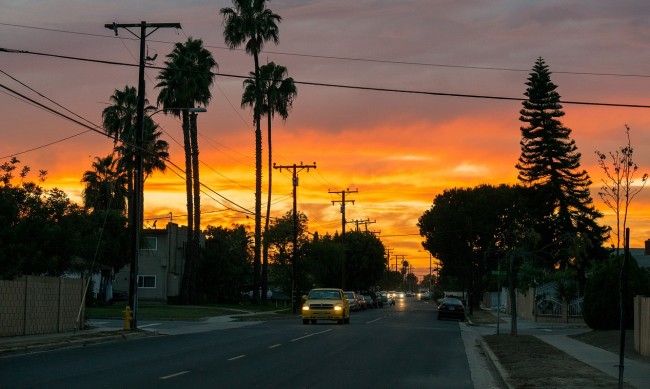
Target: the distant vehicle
pixel 400 295
pixel 326 304
pixel 451 308
pixel 369 302
pixel 386 298
pixel 355 305
pixel 362 302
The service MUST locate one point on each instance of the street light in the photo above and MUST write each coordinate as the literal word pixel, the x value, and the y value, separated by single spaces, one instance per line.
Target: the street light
pixel 136 218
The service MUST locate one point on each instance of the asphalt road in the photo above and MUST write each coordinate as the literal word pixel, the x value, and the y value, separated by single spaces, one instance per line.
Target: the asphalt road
pixel 403 346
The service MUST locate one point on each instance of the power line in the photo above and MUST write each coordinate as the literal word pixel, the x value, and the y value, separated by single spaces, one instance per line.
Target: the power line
pixel 354 59
pixel 343 86
pixel 97 130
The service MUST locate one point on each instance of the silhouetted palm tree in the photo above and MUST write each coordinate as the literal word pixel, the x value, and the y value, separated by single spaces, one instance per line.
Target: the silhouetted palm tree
pixel 250 22
pixel 119 121
pixel 278 93
pixel 105 185
pixel 185 82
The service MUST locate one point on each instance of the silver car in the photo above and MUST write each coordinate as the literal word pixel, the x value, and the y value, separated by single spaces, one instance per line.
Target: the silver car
pixel 354 300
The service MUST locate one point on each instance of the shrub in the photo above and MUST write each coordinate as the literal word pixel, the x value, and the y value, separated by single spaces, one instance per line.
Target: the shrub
pixel 601 301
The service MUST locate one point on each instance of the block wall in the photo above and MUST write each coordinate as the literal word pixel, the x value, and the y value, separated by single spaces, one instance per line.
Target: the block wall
pixel 40 305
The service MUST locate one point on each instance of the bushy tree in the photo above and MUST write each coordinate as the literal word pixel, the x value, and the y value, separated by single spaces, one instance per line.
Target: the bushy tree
pixel 461 230
pixel 323 260
pixel 43 232
pixel 281 250
pixel 365 261
pixel 224 271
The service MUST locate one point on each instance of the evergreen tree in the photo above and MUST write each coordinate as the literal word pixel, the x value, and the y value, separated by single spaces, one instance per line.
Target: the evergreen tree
pixel 550 162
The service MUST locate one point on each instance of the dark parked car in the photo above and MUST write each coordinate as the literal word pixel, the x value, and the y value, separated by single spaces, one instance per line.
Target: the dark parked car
pixel 451 308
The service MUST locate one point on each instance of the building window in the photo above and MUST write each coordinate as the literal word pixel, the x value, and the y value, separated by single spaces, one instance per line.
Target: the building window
pixel 149 243
pixel 147 282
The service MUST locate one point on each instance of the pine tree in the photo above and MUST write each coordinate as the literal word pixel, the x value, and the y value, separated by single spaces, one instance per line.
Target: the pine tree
pixel 550 162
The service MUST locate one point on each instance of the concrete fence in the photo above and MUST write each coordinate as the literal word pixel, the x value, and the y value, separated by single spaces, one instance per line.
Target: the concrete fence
pixel 642 325
pixel 40 305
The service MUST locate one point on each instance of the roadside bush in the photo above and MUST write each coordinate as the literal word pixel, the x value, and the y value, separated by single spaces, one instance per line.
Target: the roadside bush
pixel 601 301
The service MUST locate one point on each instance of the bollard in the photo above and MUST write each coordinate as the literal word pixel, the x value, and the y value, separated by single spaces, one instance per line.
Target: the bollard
pixel 127 318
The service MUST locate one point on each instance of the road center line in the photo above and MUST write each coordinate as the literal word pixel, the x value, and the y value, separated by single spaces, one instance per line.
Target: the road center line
pixel 372 321
pixel 174 375
pixel 307 336
pixel 275 345
pixel 237 357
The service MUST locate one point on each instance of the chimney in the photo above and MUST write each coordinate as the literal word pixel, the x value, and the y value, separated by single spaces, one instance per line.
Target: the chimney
pixel 647 247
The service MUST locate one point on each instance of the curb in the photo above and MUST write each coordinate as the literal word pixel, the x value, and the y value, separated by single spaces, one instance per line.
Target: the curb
pixel 502 375
pixel 68 342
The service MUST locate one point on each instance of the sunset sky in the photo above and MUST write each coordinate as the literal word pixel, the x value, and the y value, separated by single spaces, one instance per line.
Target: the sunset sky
pixel 398 149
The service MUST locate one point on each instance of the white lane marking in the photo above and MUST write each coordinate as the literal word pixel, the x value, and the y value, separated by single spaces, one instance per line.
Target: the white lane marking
pixel 307 336
pixel 149 325
pixel 237 357
pixel 372 321
pixel 275 345
pixel 174 375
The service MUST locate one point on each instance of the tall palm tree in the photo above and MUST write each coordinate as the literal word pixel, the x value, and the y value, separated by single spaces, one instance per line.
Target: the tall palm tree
pixel 250 22
pixel 185 82
pixel 105 185
pixel 119 121
pixel 278 93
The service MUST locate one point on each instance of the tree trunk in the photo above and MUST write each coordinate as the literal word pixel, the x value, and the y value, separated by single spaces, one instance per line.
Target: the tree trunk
pixel 196 249
pixel 512 290
pixel 258 182
pixel 265 256
pixel 188 268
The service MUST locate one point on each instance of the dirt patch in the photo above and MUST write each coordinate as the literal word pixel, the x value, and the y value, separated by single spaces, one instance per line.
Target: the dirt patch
pixel 483 317
pixel 610 341
pixel 533 363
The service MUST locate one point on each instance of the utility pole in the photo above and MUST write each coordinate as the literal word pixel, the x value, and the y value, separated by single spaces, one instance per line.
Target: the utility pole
pixel 343 201
pixel 294 284
pixel 364 222
pixel 388 251
pixel 398 256
pixel 138 193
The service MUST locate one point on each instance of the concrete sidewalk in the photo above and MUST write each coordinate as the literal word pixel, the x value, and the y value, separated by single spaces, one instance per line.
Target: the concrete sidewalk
pixel 100 333
pixel 635 373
